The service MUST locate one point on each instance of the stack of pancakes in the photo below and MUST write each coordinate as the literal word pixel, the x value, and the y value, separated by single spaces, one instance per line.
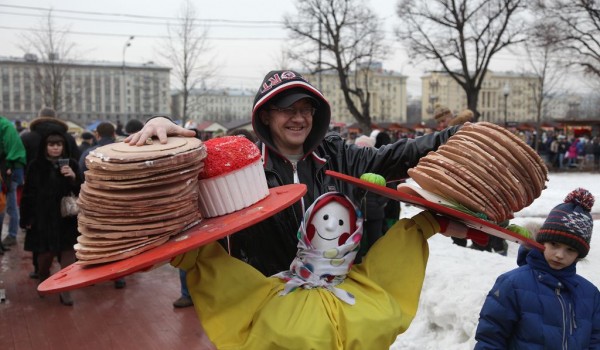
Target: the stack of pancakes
pixel 485 168
pixel 135 198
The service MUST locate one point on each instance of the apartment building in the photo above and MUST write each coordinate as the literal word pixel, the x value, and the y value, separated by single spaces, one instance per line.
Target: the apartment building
pixel 217 105
pixel 84 91
pixel 387 89
pixel 503 98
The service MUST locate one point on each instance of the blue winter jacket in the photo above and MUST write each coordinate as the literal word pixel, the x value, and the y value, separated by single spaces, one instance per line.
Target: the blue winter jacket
pixel 535 307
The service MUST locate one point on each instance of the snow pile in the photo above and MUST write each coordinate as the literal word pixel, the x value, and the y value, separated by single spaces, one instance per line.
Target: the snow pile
pixel 458 279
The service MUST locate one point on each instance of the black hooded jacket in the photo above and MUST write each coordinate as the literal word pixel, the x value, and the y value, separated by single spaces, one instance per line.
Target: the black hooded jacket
pixel 271 245
pixel 40 204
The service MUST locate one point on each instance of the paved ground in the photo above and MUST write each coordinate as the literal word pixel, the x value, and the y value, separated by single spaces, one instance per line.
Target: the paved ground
pixel 140 316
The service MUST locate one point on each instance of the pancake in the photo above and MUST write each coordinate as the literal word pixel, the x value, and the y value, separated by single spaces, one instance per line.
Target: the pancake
pixel 162 179
pixel 449 188
pixel 173 220
pixel 120 152
pixel 522 185
pixel 477 181
pixel 93 259
pixel 99 242
pixel 137 194
pixel 96 163
pixel 502 195
pixel 541 165
pixel 174 229
pixel 516 149
pixel 133 175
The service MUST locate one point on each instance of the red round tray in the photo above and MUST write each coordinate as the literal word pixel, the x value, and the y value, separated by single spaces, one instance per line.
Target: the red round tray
pixel 208 230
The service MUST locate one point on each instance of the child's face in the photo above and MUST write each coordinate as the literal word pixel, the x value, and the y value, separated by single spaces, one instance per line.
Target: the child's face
pixel 54 149
pixel 559 255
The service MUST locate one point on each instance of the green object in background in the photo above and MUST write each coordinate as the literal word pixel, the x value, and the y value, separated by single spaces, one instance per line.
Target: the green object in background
pixel 520 230
pixel 373 178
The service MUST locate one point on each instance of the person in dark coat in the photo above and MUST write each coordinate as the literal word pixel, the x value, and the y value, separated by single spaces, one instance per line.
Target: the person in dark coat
pixel 87 140
pixel 46 122
pixel 544 304
pixel 50 235
pixel 596 152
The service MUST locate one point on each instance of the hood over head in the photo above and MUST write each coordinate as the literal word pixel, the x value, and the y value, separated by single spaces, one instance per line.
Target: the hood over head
pixel 44 125
pixel 55 135
pixel 283 88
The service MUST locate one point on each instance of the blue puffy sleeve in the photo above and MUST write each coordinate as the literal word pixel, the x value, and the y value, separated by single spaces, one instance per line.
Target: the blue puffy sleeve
pixel 498 316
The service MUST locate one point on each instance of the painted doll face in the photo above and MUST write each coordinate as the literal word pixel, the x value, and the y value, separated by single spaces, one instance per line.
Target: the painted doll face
pixel 331 225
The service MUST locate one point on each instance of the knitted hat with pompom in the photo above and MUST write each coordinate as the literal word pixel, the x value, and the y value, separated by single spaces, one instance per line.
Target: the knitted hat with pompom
pixel 570 222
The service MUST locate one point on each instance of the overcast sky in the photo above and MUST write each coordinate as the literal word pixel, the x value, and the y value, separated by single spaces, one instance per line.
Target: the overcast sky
pixel 246 36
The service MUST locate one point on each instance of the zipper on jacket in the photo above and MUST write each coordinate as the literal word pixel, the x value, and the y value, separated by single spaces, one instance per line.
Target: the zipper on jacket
pixel 564 317
pixel 297 181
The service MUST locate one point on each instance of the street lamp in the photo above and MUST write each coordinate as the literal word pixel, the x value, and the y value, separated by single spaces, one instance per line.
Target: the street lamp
pixel 127 44
pixel 123 85
pixel 506 91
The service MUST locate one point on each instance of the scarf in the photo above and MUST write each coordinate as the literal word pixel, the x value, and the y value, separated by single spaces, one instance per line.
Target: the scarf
pixel 313 268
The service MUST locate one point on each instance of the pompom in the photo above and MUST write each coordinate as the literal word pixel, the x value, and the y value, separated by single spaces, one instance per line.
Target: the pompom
pixel 581 197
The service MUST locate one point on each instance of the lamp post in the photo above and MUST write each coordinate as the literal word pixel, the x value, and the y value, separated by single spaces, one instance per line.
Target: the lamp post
pixel 127 44
pixel 124 85
pixel 506 91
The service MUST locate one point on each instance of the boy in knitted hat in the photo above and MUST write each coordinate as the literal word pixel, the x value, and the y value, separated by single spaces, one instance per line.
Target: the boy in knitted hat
pixel 544 304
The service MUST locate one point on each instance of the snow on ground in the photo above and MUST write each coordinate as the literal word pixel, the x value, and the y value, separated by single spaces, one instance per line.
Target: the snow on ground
pixel 458 279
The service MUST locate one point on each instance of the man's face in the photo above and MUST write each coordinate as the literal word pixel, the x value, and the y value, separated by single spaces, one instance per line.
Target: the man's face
pixel 289 131
pixel 559 255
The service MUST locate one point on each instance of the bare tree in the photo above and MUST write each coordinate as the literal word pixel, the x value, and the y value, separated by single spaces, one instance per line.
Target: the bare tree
pixel 579 22
pixel 186 49
pixel 461 35
pixel 50 46
pixel 543 54
pixel 341 36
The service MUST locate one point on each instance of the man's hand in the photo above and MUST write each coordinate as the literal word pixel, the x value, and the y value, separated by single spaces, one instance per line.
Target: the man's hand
pixel 456 229
pixel 159 127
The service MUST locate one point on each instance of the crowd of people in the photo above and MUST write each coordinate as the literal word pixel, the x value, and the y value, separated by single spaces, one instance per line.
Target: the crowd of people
pixel 573 153
pixel 291 121
pixel 40 165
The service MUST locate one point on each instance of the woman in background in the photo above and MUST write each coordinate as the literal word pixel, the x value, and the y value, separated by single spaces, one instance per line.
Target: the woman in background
pixel 47 181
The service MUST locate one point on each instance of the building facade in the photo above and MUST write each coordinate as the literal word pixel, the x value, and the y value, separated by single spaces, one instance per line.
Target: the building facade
pixel 387 88
pixel 503 98
pixel 85 91
pixel 217 105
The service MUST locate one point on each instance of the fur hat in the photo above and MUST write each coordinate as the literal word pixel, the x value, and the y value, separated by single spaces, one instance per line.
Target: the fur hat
pixel 462 117
pixel 365 141
pixel 570 222
pixel 441 112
